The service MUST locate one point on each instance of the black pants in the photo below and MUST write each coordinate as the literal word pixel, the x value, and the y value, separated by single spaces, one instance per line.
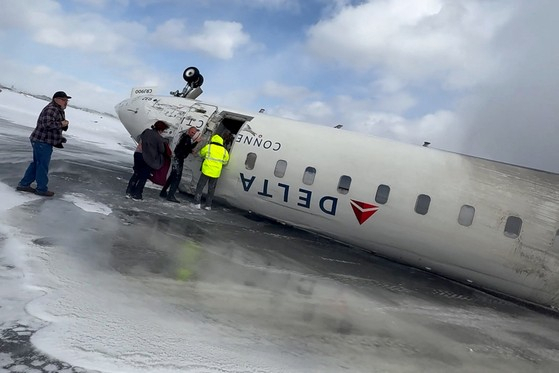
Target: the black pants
pixel 174 177
pixel 139 177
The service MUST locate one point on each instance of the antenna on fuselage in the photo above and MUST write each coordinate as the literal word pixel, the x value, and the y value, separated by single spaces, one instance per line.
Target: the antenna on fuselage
pixel 194 81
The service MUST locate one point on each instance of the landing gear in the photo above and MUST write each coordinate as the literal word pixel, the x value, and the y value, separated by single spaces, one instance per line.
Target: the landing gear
pixel 194 81
pixel 198 82
pixel 190 74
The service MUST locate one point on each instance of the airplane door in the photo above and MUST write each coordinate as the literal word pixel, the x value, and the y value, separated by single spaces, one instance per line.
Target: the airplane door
pixel 225 123
pixel 197 116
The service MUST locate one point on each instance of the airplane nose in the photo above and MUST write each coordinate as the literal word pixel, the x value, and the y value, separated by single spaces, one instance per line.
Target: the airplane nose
pixel 121 107
pixel 129 114
pixel 118 108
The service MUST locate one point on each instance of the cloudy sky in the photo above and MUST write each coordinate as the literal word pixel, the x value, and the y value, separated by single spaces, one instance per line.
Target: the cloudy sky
pixel 474 76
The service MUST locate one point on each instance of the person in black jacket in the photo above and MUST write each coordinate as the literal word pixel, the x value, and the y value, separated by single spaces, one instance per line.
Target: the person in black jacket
pixel 185 146
pixel 149 156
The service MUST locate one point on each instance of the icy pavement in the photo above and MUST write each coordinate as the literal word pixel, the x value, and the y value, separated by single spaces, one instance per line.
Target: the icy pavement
pixel 91 281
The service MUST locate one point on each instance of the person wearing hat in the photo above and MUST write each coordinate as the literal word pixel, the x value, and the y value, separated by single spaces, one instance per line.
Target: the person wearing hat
pixel 48 133
pixel 149 156
pixel 184 147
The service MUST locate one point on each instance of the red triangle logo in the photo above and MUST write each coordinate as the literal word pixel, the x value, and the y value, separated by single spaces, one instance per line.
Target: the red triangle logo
pixel 363 210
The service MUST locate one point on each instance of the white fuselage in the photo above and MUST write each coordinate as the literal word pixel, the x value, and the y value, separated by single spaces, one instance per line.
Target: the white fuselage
pixel 476 221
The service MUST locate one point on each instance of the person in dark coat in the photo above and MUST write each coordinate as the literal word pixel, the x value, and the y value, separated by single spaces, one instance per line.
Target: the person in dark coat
pixel 48 133
pixel 184 147
pixel 149 156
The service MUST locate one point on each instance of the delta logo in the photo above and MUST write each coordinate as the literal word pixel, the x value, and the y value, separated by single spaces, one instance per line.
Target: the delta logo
pixel 363 210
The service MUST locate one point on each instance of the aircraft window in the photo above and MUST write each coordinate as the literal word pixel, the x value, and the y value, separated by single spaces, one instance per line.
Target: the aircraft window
pixel 250 161
pixel 466 216
pixel 281 166
pixel 556 242
pixel 422 204
pixel 308 176
pixel 512 227
pixel 382 194
pixel 343 184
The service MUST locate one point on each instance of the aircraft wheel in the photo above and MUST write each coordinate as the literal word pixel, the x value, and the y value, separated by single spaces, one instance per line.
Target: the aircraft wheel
pixel 190 74
pixel 198 82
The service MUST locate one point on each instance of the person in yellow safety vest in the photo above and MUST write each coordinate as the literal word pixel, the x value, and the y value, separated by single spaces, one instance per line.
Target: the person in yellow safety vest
pixel 215 157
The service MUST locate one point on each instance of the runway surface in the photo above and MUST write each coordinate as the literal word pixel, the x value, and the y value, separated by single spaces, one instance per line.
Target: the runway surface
pixel 92 281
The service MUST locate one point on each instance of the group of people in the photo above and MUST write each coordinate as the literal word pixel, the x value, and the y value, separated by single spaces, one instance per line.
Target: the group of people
pixel 151 155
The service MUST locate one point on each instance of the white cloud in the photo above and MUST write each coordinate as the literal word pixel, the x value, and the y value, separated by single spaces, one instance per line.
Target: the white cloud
pixel 41 70
pixel 50 25
pixel 291 5
pixel 496 61
pixel 290 93
pixel 44 80
pixel 109 46
pixel 100 4
pixel 413 39
pixel 91 34
pixel 397 103
pixel 433 128
pixel 219 39
pixel 22 14
pixel 512 115
pixel 319 109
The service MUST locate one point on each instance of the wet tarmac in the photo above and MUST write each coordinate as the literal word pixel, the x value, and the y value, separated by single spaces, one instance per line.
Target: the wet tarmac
pixel 325 306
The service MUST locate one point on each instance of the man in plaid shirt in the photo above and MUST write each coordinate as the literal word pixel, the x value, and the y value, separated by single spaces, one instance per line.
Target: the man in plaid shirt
pixel 47 133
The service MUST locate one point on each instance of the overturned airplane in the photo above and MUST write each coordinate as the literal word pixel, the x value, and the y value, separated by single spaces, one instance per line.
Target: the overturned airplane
pixel 488 224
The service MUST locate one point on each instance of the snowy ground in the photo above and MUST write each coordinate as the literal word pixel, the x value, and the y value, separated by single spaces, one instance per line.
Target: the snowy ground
pixel 91 281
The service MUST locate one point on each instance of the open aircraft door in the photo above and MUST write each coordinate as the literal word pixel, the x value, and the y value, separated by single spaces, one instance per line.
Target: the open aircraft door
pixel 224 123
pixel 200 116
